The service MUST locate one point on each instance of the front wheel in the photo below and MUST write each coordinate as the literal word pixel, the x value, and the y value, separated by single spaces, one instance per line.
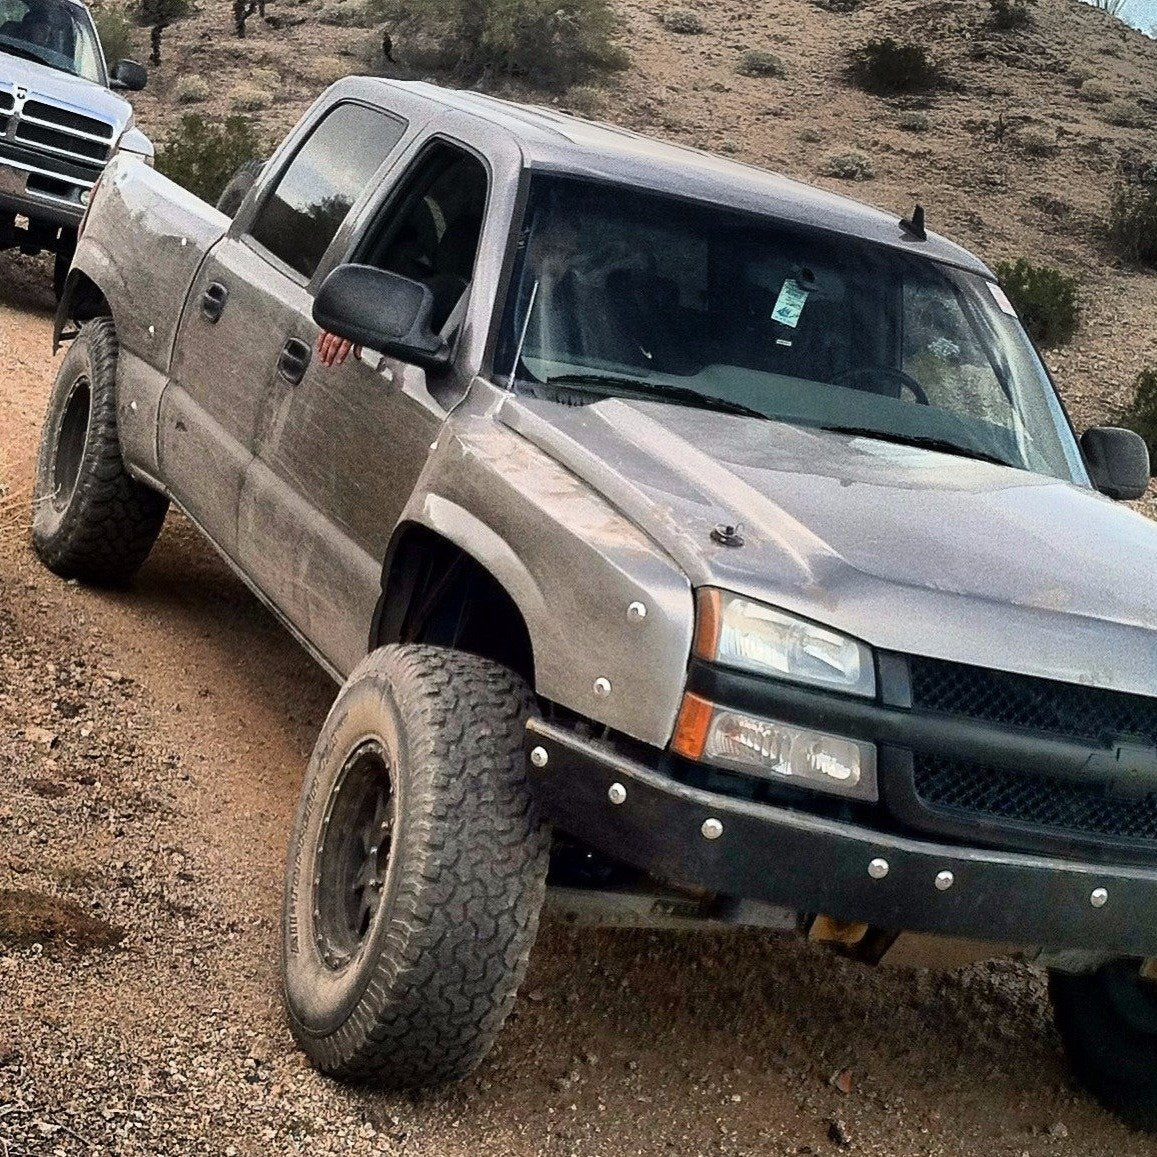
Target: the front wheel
pixel 1108 1022
pixel 416 870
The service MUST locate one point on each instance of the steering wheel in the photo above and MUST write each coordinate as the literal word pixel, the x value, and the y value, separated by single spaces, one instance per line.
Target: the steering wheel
pixel 871 377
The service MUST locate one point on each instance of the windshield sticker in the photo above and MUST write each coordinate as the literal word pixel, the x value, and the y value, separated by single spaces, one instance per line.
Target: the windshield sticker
pixel 789 304
pixel 1001 298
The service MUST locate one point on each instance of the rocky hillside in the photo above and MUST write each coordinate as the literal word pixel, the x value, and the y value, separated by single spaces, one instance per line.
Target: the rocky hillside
pixel 1016 157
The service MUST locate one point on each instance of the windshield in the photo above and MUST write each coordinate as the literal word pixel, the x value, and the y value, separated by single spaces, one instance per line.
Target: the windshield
pixel 620 291
pixel 50 32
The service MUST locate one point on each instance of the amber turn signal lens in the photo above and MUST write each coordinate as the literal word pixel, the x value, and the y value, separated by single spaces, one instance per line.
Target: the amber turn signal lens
pixel 692 726
pixel 708 622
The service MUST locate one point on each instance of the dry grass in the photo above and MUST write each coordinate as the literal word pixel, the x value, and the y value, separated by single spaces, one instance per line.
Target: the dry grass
pixel 15 504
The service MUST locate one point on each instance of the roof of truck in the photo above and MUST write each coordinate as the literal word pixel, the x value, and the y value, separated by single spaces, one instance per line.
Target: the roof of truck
pixel 552 139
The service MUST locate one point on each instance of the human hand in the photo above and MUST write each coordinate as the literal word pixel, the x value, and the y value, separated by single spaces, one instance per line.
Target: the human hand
pixel 334 350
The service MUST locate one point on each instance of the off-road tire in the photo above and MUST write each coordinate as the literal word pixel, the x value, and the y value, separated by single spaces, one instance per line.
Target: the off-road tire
pixel 1111 1042
pixel 90 519
pixel 238 185
pixel 425 992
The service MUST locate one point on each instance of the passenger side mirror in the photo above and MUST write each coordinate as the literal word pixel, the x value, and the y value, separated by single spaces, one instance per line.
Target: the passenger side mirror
pixel 381 311
pixel 127 74
pixel 1118 461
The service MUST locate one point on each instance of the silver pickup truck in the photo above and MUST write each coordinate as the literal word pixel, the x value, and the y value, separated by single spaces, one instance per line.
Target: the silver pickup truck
pixel 691 547
pixel 59 122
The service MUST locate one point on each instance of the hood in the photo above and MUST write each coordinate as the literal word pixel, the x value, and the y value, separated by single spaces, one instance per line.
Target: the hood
pixel 908 549
pixel 84 96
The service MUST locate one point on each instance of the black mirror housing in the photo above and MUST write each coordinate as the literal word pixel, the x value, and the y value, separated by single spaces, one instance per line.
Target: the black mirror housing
pixel 127 74
pixel 1118 461
pixel 382 311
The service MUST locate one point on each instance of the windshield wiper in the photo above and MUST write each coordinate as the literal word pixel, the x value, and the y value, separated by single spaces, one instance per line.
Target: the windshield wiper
pixel 19 50
pixel 610 386
pixel 941 444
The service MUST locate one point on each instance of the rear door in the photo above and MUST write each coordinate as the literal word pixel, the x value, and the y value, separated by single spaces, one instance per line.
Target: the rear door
pixel 343 448
pixel 232 338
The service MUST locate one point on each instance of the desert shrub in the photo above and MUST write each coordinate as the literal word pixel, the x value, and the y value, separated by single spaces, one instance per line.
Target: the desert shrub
pixel 115 30
pixel 267 78
pixel 888 67
pixel 246 97
pixel 1133 221
pixel 841 6
pixel 156 16
pixel 757 62
pixel 811 136
pixel 346 14
pixel 328 69
pixel 1046 300
pixel 1037 140
pixel 190 89
pixel 544 43
pixel 1096 92
pixel 202 155
pixel 682 20
pixel 913 122
pixel 1141 415
pixel 851 166
pixel 1008 15
pixel 1126 113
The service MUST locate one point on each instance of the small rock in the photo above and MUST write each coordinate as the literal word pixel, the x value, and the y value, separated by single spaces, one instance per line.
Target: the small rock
pixel 841 1080
pixel 536 996
pixel 41 737
pixel 838 1133
pixel 1058 1129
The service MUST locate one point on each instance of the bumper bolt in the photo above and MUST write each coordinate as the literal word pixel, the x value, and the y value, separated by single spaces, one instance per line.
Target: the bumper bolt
pixel 945 880
pixel 602 687
pixel 712 829
pixel 1099 898
pixel 616 793
pixel 539 757
pixel 637 611
pixel 878 869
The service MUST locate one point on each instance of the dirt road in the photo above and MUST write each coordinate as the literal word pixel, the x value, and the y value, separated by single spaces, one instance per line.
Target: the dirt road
pixel 151 746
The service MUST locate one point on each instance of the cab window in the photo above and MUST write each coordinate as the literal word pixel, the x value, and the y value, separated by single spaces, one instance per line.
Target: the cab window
pixel 323 181
pixel 430 228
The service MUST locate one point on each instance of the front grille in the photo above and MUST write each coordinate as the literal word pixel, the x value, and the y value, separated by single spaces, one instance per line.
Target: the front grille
pixel 38 110
pixel 49 175
pixel 970 791
pixel 1063 709
pixel 7 102
pixel 60 141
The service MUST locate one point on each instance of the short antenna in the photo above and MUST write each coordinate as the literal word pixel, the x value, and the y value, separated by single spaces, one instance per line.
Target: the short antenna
pixel 914 225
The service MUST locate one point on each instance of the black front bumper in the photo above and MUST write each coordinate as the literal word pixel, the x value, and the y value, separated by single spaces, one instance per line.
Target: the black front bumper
pixel 820 865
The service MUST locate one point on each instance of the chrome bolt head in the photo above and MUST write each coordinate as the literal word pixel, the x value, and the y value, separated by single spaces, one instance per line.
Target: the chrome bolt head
pixel 616 793
pixel 1099 897
pixel 878 868
pixel 539 757
pixel 945 880
pixel 602 687
pixel 637 611
pixel 712 829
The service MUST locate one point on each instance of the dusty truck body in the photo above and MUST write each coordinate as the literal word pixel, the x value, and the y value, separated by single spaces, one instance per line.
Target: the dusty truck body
pixel 731 528
pixel 60 122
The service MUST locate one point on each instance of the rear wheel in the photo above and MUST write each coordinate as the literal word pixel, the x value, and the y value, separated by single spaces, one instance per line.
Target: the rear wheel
pixel 1108 1022
pixel 416 870
pixel 90 519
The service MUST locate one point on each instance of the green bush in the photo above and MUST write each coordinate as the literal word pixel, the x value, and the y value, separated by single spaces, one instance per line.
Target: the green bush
pixel 202 155
pixel 115 30
pixel 1045 299
pixel 1008 15
pixel 682 20
pixel 757 62
pixel 1141 415
pixel 913 122
pixel 540 42
pixel 1133 221
pixel 888 67
pixel 1125 113
pixel 851 166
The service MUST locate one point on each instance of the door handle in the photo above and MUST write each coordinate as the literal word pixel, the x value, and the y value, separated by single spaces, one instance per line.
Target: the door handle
pixel 213 301
pixel 294 360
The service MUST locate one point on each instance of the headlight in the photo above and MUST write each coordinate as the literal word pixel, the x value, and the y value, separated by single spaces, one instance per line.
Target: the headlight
pixel 736 632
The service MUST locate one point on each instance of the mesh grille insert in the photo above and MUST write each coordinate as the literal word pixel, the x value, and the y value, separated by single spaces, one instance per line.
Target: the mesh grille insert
pixel 1063 709
pixel 966 789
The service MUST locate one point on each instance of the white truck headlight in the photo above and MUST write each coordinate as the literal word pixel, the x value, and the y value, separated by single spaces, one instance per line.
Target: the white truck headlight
pixel 737 632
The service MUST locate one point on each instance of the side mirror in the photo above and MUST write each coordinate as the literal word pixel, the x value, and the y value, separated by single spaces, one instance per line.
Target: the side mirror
pixel 1118 461
pixel 129 75
pixel 381 311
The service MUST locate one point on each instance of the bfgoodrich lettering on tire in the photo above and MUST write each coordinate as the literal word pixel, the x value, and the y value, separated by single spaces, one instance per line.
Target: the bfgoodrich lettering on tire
pixel 90 519
pixel 416 870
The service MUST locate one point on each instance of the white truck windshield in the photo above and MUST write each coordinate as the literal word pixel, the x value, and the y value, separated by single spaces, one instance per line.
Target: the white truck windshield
pixel 53 33
pixel 621 291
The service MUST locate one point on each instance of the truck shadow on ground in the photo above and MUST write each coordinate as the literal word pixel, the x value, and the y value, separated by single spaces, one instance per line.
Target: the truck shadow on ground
pixel 26 284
